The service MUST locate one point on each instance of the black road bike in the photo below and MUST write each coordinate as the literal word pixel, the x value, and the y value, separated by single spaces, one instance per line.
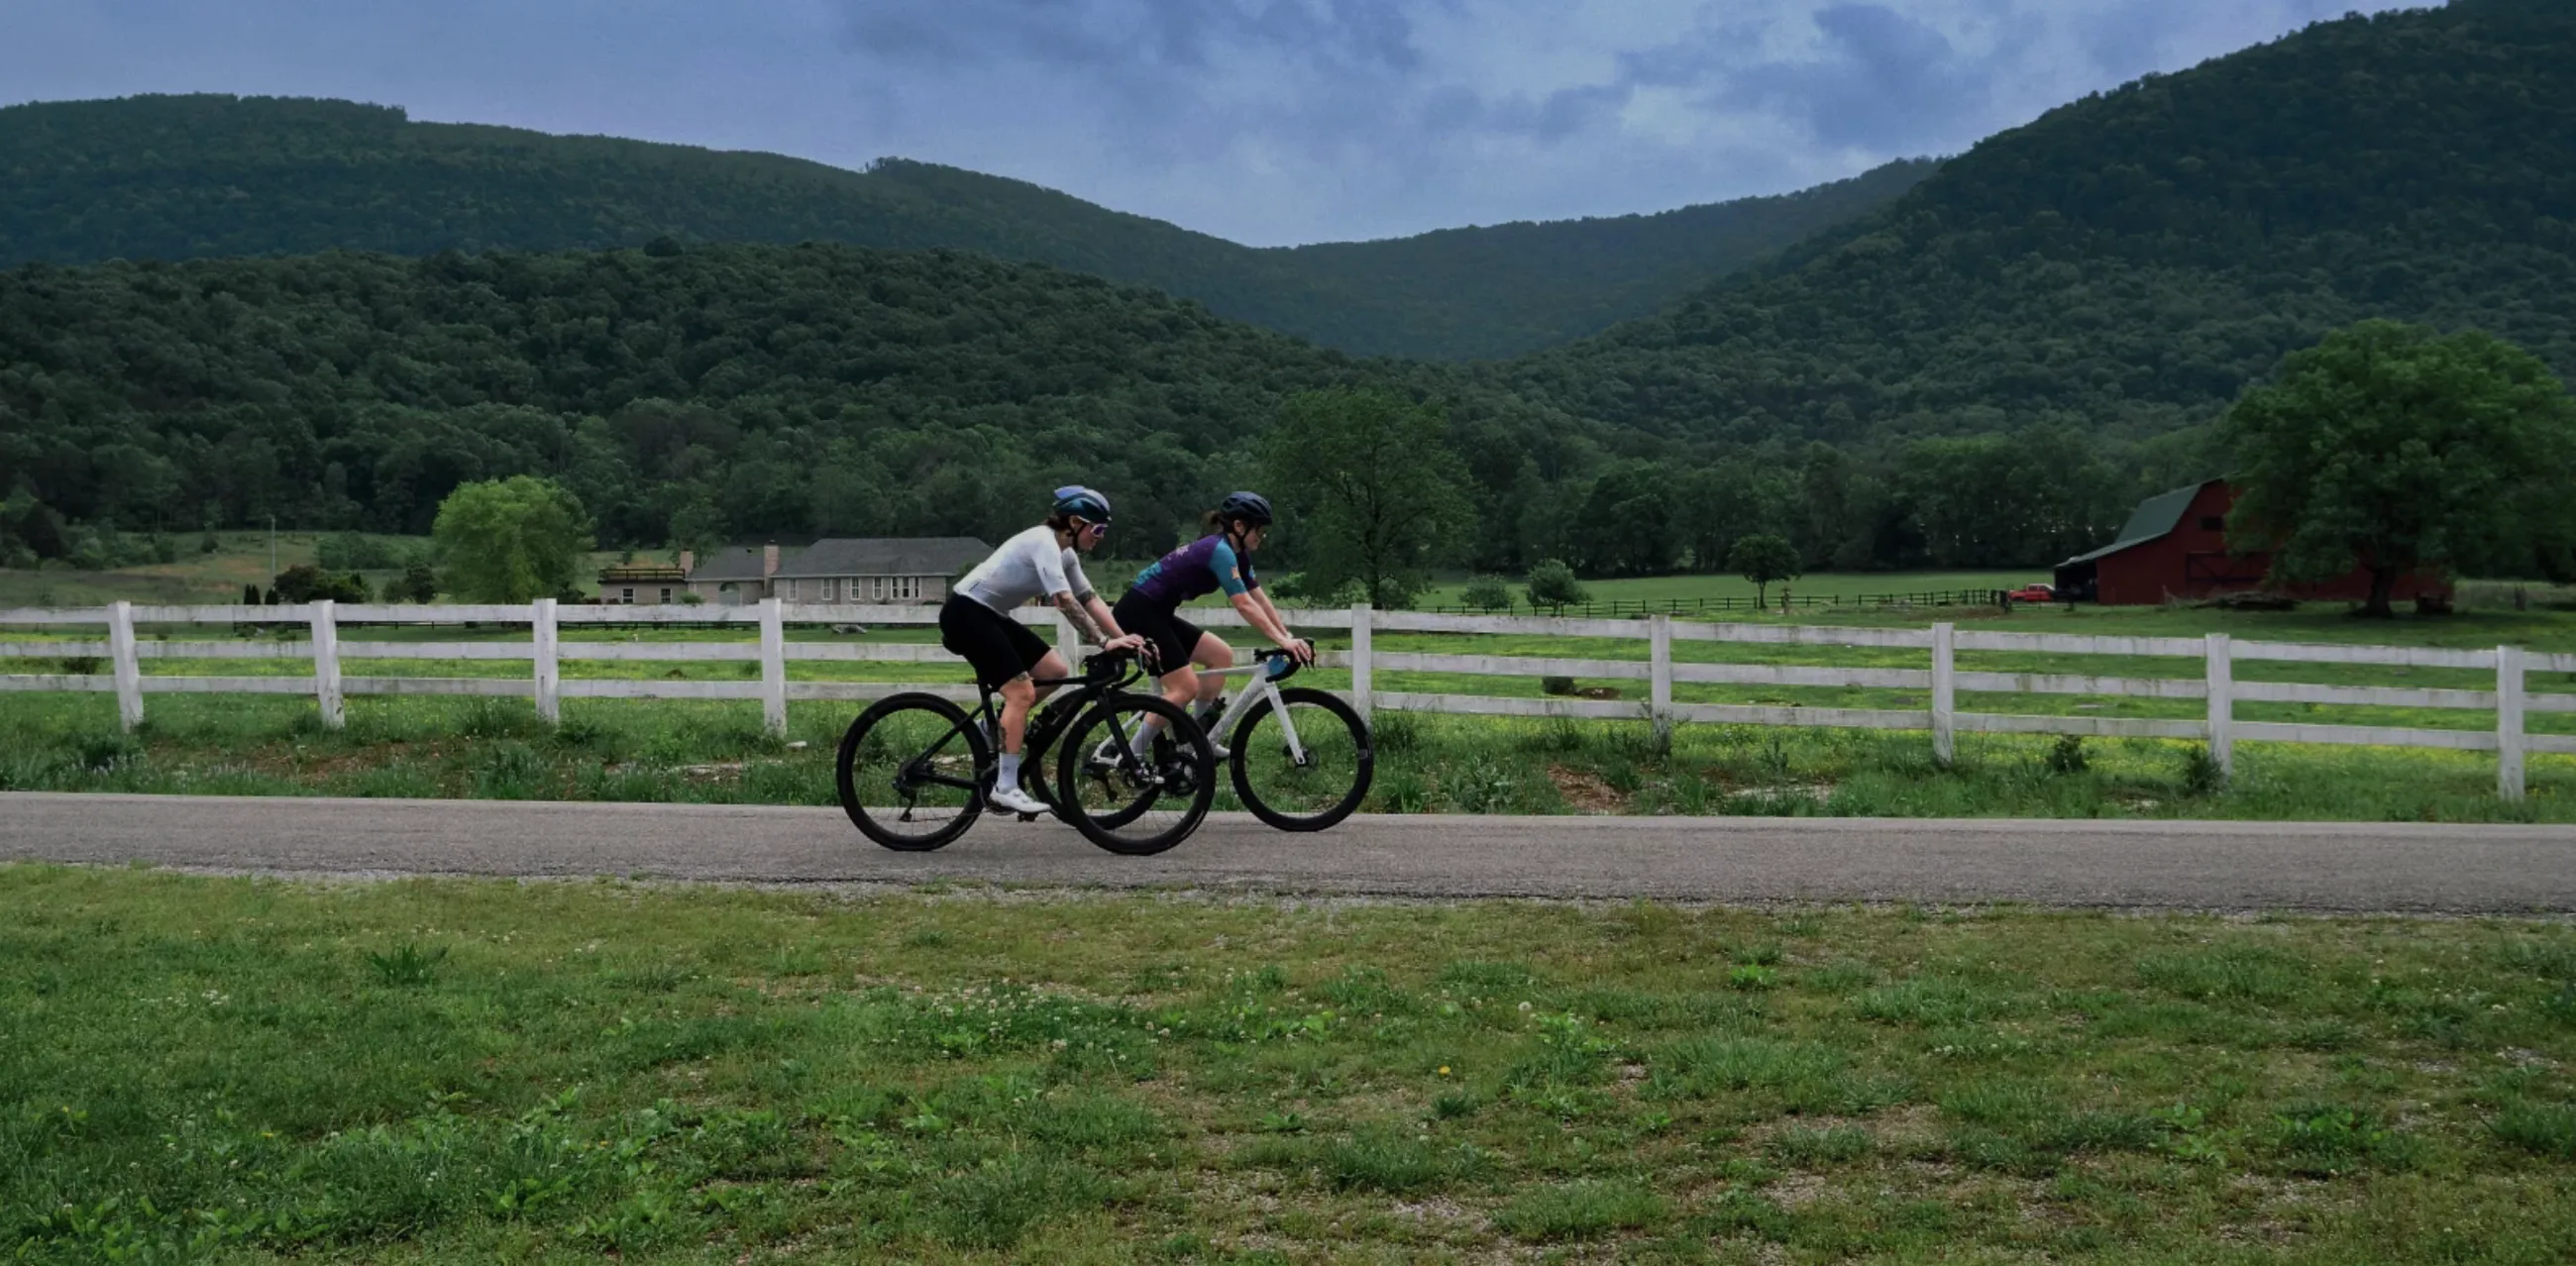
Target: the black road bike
pixel 914 768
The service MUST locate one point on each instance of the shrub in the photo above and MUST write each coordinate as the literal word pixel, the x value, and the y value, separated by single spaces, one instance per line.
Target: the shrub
pixel 1487 593
pixel 1552 584
pixel 2067 757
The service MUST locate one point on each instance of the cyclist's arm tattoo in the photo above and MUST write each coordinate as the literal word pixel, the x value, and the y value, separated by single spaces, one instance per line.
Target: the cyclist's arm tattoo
pixel 1088 628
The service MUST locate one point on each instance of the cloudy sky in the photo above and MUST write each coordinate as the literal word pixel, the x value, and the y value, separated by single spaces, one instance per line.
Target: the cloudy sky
pixel 1266 121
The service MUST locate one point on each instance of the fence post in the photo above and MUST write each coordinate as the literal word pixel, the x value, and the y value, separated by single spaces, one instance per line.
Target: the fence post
pixel 773 666
pixel 2510 702
pixel 326 664
pixel 1068 643
pixel 1660 676
pixel 129 672
pixel 1945 711
pixel 541 630
pixel 2222 705
pixel 1363 680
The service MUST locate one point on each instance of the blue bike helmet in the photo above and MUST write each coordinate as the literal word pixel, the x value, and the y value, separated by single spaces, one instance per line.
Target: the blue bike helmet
pixel 1079 502
pixel 1250 507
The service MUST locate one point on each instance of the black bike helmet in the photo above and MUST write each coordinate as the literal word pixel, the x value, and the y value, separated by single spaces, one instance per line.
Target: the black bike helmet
pixel 1082 503
pixel 1250 507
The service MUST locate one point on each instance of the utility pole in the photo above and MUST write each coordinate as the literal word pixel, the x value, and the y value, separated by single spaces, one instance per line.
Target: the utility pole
pixel 272 549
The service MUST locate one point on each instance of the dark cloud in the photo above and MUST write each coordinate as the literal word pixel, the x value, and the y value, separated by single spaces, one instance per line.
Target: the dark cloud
pixel 1882 81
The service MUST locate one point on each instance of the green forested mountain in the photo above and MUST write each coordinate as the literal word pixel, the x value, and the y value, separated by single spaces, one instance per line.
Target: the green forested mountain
pixel 739 392
pixel 2125 265
pixel 759 389
pixel 189 177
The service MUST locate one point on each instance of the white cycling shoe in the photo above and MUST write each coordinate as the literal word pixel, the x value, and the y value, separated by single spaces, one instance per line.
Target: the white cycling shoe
pixel 1014 800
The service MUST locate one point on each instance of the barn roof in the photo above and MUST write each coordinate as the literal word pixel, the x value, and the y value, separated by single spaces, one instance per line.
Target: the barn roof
pixel 2154 517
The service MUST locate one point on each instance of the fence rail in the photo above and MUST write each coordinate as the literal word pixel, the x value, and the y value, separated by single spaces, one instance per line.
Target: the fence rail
pixel 2214 657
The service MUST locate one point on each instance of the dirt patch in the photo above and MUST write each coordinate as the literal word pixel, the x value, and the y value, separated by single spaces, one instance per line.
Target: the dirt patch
pixel 1586 792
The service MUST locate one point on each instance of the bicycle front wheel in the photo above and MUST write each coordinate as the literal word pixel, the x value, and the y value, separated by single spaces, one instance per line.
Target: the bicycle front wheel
pixel 1313 782
pixel 1131 803
pixel 911 772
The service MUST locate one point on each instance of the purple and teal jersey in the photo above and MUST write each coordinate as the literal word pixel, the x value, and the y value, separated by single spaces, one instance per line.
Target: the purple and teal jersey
pixel 1195 570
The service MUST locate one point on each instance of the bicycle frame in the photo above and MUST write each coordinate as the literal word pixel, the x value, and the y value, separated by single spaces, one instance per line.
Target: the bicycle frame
pixel 1264 685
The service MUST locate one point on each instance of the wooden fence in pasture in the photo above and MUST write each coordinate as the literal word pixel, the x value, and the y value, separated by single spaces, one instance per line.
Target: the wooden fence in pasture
pixel 1939 678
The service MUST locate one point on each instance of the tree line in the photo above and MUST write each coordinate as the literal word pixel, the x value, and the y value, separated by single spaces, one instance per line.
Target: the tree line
pixel 698 396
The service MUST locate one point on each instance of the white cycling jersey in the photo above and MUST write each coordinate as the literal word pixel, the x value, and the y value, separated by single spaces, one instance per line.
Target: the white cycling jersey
pixel 1029 566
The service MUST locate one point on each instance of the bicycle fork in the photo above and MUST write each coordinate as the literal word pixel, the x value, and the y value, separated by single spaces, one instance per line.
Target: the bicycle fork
pixel 1261 687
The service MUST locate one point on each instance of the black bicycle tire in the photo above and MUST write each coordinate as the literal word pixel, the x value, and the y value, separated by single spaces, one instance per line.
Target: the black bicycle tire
pixel 1178 726
pixel 1350 803
pixel 848 786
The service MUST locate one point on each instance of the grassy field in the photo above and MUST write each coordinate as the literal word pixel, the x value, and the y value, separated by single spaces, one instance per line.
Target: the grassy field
pixel 715 751
pixel 236 1070
pixel 1846 586
pixel 200 577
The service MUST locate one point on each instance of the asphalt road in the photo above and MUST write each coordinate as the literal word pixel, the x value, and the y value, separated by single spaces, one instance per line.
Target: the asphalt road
pixel 2354 867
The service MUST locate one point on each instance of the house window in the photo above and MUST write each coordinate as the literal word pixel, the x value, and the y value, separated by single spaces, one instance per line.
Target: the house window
pixel 2213 523
pixel 666 595
pixel 908 588
pixel 627 596
pixel 830 589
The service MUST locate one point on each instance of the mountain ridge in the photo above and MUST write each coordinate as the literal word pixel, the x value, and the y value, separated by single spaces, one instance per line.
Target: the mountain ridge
pixel 174 177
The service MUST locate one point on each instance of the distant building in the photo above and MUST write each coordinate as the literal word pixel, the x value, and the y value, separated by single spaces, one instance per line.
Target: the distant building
pixel 2175 546
pixel 630 583
pixel 877 569
pixel 735 576
pixel 869 570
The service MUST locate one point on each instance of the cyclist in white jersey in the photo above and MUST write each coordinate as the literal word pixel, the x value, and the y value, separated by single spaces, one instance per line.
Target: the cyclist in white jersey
pixel 1043 562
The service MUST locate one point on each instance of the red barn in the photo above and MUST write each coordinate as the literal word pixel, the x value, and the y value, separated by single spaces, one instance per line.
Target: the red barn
pixel 2175 546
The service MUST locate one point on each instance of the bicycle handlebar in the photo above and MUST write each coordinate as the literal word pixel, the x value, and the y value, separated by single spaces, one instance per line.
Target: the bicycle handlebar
pixel 1273 658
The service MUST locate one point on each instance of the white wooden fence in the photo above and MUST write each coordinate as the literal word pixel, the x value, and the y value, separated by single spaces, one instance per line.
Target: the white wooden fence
pixel 1940 679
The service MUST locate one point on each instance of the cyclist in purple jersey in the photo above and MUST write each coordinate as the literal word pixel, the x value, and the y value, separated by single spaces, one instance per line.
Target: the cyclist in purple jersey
pixel 1220 561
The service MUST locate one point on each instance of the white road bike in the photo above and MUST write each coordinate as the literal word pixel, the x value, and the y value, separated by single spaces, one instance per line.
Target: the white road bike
pixel 1301 759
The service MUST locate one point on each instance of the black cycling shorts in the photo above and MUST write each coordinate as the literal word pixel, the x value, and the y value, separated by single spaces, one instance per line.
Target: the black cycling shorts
pixel 998 647
pixel 1175 640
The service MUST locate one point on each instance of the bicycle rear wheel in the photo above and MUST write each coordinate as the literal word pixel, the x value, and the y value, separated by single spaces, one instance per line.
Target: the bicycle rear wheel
pixel 1317 783
pixel 1128 803
pixel 911 772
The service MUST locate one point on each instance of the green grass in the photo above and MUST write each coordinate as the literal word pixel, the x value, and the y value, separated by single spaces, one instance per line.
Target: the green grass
pixel 717 753
pixel 240 558
pixel 197 1069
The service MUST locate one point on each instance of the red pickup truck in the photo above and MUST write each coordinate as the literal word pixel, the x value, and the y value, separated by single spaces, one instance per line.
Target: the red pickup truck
pixel 2034 593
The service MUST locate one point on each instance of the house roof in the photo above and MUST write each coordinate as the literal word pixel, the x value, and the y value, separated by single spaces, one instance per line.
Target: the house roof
pixel 734 562
pixel 885 556
pixel 2154 517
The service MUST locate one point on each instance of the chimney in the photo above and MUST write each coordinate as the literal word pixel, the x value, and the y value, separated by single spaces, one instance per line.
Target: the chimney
pixel 769 560
pixel 688 561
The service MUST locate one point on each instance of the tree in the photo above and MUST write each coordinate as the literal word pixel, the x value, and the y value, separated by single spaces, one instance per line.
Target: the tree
pixel 2392 447
pixel 1552 584
pixel 510 540
pixel 1366 480
pixel 1763 558
pixel 418 584
pixel 1626 526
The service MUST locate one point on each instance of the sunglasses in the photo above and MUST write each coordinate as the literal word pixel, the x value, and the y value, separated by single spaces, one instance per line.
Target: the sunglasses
pixel 1095 530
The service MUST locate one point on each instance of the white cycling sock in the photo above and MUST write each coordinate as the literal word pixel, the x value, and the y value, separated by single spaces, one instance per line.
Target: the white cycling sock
pixel 1010 772
pixel 1143 743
